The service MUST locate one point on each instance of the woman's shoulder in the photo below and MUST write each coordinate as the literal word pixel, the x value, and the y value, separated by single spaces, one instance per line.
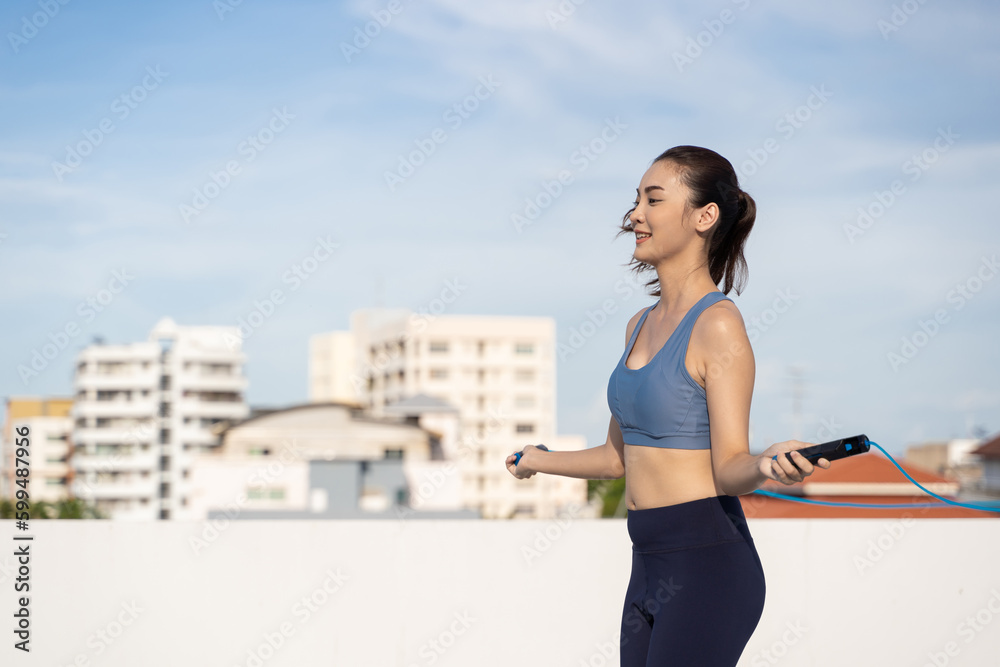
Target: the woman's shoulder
pixel 720 323
pixel 633 321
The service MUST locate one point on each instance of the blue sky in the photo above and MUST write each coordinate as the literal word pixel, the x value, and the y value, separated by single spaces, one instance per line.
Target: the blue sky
pixel 821 107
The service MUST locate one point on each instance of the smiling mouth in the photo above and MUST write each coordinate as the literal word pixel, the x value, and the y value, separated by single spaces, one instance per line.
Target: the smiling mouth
pixel 640 237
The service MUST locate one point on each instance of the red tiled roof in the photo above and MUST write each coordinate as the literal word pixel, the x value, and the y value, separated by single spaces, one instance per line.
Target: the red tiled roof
pixel 758 506
pixel 989 450
pixel 872 469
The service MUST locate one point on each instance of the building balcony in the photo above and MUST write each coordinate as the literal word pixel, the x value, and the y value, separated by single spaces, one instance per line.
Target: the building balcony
pixel 211 409
pixel 148 460
pixel 101 490
pixel 116 435
pixel 214 355
pixel 199 382
pixel 148 379
pixel 116 408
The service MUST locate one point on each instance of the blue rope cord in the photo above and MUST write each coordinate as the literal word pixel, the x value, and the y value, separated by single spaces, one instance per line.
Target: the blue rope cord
pixel 897 505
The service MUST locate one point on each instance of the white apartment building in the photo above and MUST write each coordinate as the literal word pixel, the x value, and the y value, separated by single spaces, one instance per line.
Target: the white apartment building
pixel 144 410
pixel 500 372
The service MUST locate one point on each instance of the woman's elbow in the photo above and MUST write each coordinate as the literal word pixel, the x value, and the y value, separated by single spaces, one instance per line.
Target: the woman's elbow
pixel 616 468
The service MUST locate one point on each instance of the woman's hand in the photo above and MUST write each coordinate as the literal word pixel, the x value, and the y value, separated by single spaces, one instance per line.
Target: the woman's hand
pixel 523 469
pixel 784 471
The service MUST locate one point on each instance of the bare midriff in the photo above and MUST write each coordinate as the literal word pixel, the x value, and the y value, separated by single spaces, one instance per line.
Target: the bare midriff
pixel 657 476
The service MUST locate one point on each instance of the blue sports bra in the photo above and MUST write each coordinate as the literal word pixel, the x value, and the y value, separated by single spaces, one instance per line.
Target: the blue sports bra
pixel 660 404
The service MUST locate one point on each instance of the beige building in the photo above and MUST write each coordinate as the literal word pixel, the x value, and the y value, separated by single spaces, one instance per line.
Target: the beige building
pixel 950 458
pixel 499 372
pixel 395 463
pixel 49 428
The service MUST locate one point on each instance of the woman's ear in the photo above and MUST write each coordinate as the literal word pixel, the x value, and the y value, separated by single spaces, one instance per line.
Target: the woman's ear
pixel 707 216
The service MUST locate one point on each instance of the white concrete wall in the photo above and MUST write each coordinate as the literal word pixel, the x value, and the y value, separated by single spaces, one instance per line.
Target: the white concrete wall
pixel 486 593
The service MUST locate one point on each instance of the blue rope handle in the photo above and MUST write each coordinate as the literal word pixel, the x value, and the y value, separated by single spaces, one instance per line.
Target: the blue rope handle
pixel 875 444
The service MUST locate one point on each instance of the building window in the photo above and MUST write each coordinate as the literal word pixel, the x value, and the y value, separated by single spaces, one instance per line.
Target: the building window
pixel 439 373
pixel 524 375
pixel 394 453
pixel 439 346
pixel 525 428
pixel 524 348
pixel 262 493
pixel 481 347
pixel 524 402
pixel 216 396
pixel 111 367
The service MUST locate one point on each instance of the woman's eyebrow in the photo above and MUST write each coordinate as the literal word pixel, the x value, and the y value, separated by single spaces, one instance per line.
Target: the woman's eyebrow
pixel 649 188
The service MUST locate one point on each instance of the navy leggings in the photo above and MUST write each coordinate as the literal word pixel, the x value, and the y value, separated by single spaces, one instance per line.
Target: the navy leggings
pixel 697 587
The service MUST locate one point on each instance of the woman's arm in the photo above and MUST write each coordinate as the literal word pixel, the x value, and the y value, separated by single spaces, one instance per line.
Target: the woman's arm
pixel 604 462
pixel 729 378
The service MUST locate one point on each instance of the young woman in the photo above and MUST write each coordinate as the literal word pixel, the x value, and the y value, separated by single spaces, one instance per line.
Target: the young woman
pixel 679 432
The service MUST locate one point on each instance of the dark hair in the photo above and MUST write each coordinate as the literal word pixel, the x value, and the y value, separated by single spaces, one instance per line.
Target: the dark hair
pixel 710 178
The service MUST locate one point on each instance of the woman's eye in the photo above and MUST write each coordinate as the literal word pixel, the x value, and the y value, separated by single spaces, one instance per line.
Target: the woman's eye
pixel 652 200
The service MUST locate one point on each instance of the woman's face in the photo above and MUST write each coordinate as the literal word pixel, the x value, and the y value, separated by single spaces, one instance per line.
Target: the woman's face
pixel 660 213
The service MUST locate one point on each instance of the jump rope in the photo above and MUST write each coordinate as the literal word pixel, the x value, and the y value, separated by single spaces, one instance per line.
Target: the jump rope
pixel 860 444
pixel 838 449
